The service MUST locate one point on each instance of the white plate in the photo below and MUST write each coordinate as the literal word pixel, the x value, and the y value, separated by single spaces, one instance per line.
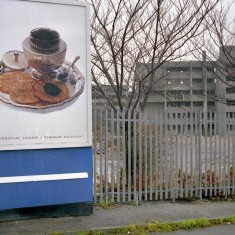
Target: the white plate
pixel 74 89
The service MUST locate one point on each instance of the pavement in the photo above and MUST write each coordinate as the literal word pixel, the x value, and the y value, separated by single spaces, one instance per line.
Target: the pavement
pixel 121 215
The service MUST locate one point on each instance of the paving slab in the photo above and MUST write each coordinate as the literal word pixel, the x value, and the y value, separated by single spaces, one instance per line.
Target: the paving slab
pixel 121 215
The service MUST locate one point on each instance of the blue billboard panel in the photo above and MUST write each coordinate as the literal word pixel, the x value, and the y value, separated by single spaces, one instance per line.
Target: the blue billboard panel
pixel 30 178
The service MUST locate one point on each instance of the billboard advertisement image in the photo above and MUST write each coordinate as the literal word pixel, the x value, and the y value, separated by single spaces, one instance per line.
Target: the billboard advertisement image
pixel 44 75
pixel 45 105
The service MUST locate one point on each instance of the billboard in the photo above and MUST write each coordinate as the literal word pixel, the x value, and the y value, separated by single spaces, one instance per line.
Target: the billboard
pixel 45 84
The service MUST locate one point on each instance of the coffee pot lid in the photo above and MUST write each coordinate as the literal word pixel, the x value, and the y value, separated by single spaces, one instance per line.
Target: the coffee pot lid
pixel 14 60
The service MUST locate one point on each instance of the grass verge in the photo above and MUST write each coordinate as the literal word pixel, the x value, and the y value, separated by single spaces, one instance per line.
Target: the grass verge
pixel 156 226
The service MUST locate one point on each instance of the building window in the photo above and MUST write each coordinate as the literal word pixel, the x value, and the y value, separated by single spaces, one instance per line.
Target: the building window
pixel 210 92
pixel 177 69
pixel 187 104
pixel 169 81
pixel 211 80
pixel 230 90
pixel 210 115
pixel 197 80
pixel 170 69
pixel 230 114
pixel 170 104
pixel 181 81
pixel 179 96
pixel 178 104
pixel 197 69
pixel 210 69
pixel 177 93
pixel 160 92
pixel 197 103
pixel 186 92
pixel 211 103
pixel 230 102
pixel 197 92
pixel 230 79
pixel 182 69
pixel 230 66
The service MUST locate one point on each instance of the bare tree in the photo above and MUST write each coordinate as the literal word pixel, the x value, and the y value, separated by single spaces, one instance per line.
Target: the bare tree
pixel 219 43
pixel 128 33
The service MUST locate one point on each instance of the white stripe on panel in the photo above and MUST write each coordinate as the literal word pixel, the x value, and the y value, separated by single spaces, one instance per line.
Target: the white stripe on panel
pixel 32 178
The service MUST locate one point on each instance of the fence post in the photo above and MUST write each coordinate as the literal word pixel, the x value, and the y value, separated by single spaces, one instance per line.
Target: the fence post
pixel 215 152
pixel 233 162
pixel 101 156
pixel 118 155
pixel 140 155
pixel 106 156
pixel 124 156
pixel 94 155
pixel 172 162
pixel 145 156
pixel 161 156
pixel 151 155
pixel 200 154
pixel 181 156
pixel 112 154
pixel 156 155
pixel 134 154
pixel 165 122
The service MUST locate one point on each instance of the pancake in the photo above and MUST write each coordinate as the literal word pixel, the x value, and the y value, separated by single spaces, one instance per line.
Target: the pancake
pixel 42 104
pixel 8 80
pixel 57 94
pixel 22 92
pixel 23 89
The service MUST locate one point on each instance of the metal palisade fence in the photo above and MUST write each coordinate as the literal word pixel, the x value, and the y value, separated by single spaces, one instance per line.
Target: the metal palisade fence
pixel 152 156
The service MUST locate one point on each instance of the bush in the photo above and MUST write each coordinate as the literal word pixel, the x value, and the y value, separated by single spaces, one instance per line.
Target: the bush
pixel 203 222
pixel 188 224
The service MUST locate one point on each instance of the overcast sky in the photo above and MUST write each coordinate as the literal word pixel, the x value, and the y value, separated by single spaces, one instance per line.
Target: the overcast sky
pixel 232 12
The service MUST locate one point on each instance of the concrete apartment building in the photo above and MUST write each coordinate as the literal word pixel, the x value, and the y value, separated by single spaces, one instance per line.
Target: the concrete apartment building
pixel 192 86
pixel 98 99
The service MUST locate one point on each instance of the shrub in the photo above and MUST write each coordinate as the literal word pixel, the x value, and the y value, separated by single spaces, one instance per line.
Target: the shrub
pixel 203 222
pixel 188 224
